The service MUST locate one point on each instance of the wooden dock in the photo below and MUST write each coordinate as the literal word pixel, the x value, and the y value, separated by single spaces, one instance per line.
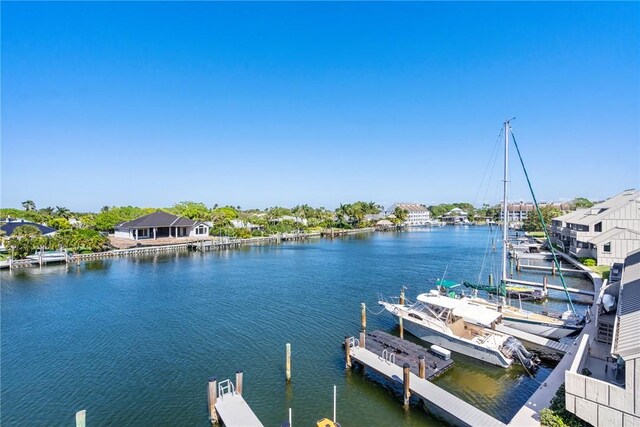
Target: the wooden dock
pixel 440 402
pixel 406 352
pixel 526 336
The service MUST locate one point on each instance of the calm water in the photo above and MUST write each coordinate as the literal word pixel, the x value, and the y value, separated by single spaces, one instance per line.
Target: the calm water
pixel 134 340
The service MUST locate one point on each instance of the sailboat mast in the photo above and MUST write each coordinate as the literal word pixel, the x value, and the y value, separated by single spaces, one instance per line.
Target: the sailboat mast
pixel 505 212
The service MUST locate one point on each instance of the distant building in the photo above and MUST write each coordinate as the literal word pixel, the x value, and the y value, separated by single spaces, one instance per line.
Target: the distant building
pixel 606 232
pixel 602 386
pixel 417 214
pixel 10 226
pixel 161 224
pixel 456 216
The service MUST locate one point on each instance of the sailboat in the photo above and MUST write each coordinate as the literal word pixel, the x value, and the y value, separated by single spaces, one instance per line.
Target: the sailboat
pixel 536 323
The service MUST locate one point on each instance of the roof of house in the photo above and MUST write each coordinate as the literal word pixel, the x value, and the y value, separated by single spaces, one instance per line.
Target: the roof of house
pixel 10 227
pixel 410 207
pixel 384 222
pixel 626 343
pixel 607 235
pixel 599 211
pixel 568 216
pixel 158 219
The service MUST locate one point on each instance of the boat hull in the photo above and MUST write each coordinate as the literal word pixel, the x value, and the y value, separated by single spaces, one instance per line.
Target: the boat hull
pixel 456 344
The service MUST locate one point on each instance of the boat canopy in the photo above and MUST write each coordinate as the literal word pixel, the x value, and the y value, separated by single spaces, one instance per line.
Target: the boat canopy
pixel 440 301
pixel 447 284
pixel 477 314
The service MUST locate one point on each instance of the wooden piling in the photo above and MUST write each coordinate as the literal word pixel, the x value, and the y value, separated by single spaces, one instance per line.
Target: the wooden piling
pixel 288 362
pixel 490 279
pixel 406 371
pixel 239 376
pixel 553 269
pixel 421 366
pixel 544 283
pixel 518 264
pixel 363 316
pixel 347 353
pixel 362 339
pixel 402 296
pixel 213 396
pixel 81 418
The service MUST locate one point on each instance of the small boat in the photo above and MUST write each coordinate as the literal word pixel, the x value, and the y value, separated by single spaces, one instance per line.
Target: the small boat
pixel 326 422
pixel 456 325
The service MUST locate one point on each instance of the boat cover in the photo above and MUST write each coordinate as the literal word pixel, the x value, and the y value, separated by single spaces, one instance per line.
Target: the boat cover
pixel 476 314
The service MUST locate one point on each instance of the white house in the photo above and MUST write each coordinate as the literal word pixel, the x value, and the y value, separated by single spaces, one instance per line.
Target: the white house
pixel 161 224
pixel 607 231
pixel 602 386
pixel 417 214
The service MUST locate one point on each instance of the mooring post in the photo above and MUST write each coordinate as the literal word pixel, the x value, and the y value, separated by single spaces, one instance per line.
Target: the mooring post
pixel 81 418
pixel 406 371
pixel 553 269
pixel 288 362
pixel 490 279
pixel 518 264
pixel 347 353
pixel 362 338
pixel 363 316
pixel 421 366
pixel 402 296
pixel 544 283
pixel 213 396
pixel 239 376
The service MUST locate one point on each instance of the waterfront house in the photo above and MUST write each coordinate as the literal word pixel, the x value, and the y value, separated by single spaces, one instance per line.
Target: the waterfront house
pixel 602 386
pixel 10 226
pixel 606 232
pixel 456 216
pixel 161 224
pixel 417 214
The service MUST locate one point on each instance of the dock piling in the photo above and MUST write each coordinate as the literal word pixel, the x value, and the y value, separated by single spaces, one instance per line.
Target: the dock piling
pixel 347 353
pixel 518 265
pixel 553 269
pixel 81 418
pixel 406 372
pixel 213 396
pixel 544 283
pixel 363 316
pixel 421 366
pixel 288 362
pixel 363 336
pixel 239 376
pixel 490 279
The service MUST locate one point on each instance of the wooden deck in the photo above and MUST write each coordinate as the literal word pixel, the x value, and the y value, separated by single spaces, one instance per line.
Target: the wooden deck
pixel 545 342
pixel 406 352
pixel 440 402
pixel 235 412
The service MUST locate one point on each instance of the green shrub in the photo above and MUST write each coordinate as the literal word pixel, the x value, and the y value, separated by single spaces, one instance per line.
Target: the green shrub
pixel 549 419
pixel 589 262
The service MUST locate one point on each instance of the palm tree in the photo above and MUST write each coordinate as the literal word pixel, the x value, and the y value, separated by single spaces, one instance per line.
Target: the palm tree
pixel 63 212
pixel 29 205
pixel 105 208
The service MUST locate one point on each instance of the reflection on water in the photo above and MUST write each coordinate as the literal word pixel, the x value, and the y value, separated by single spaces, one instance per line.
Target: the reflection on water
pixel 133 340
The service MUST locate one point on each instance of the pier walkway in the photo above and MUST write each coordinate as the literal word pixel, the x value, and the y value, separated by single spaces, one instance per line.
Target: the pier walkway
pixel 437 400
pixel 536 339
pixel 234 411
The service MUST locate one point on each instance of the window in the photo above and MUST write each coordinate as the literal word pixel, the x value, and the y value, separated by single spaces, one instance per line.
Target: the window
pixel 598 227
pixel 606 248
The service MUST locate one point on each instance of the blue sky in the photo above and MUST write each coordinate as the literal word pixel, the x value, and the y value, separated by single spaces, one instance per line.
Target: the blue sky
pixel 262 104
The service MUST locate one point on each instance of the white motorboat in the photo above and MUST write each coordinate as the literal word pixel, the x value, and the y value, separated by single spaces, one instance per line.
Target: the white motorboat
pixel 458 326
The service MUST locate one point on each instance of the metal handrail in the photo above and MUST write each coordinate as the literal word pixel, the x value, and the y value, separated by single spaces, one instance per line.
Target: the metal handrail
pixel 389 356
pixel 226 387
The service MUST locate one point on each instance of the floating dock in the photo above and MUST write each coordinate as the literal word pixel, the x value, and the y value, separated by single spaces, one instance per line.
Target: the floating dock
pixel 440 402
pixel 227 406
pixel 554 287
pixel 406 352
